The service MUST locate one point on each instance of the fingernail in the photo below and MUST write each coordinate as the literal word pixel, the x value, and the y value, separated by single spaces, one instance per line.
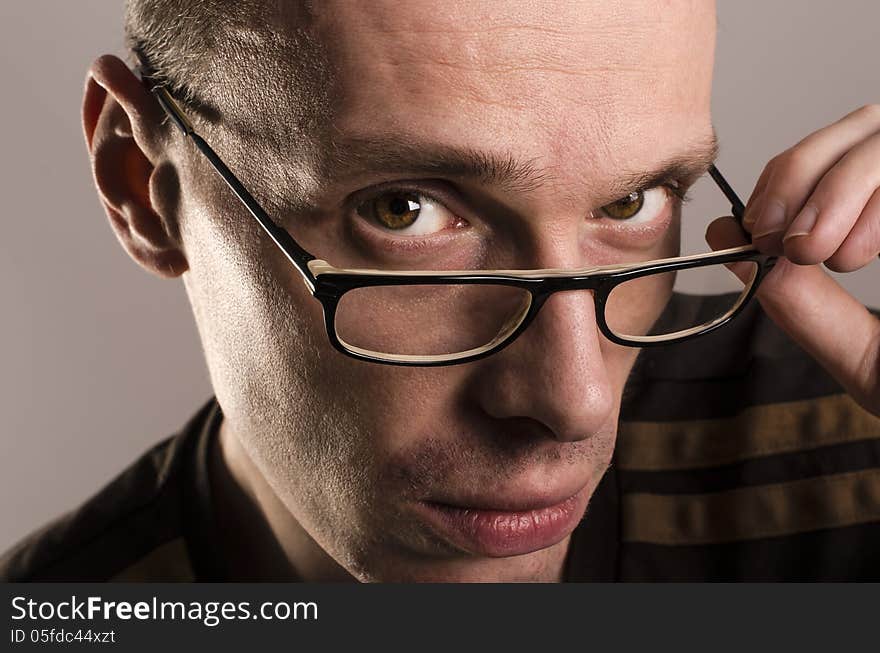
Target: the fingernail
pixel 803 224
pixel 771 220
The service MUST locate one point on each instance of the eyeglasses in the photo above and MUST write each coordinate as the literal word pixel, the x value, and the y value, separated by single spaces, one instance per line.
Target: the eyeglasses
pixel 431 318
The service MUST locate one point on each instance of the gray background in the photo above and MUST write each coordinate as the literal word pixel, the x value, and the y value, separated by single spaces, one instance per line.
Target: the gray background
pixel 98 360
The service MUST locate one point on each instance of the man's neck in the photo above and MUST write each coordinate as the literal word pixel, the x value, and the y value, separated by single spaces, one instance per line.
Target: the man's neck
pixel 258 537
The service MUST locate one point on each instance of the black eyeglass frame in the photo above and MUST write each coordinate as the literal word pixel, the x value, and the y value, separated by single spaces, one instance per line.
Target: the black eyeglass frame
pixel 328 284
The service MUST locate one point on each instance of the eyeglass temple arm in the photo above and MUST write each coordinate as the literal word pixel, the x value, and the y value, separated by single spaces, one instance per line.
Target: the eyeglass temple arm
pixel 736 205
pixel 296 254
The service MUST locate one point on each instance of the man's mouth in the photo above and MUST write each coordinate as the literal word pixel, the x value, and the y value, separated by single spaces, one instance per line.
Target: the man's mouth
pixel 505 527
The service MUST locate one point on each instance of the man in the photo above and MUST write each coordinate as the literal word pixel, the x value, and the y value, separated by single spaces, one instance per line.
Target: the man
pixel 484 136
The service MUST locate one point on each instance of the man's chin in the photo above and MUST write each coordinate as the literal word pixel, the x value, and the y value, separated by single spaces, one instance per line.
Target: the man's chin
pixel 544 565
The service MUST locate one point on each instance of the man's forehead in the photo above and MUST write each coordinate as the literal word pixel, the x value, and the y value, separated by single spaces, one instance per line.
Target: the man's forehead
pixel 567 33
pixel 577 83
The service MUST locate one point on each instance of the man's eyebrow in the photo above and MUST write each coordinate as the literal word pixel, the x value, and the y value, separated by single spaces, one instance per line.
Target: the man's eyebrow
pixel 684 168
pixel 357 156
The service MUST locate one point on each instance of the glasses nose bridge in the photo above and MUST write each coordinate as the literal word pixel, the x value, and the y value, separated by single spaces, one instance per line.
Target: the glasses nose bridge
pixel 573 282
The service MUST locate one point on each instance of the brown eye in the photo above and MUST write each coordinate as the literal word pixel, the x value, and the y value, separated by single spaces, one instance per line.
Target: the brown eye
pixel 397 210
pixel 626 207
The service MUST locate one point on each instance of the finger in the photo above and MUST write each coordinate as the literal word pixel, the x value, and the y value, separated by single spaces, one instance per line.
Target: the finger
pixel 835 205
pixel 797 171
pixel 829 323
pixel 863 242
pixel 749 214
pixel 724 233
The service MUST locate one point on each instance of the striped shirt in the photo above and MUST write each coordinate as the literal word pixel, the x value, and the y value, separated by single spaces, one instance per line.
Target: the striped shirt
pixel 737 458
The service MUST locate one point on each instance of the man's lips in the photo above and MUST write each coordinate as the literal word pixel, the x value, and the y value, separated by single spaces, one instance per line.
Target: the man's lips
pixel 509 527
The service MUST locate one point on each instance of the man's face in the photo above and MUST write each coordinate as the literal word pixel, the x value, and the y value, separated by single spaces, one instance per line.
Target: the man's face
pixel 584 94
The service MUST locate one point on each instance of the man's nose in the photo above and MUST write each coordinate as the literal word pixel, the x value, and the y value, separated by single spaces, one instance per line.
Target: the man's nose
pixel 554 372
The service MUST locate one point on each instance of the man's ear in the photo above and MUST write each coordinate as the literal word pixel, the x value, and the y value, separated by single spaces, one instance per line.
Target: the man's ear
pixel 124 133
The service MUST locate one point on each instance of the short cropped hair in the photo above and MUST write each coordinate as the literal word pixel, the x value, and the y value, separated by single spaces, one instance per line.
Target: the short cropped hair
pixel 237 57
